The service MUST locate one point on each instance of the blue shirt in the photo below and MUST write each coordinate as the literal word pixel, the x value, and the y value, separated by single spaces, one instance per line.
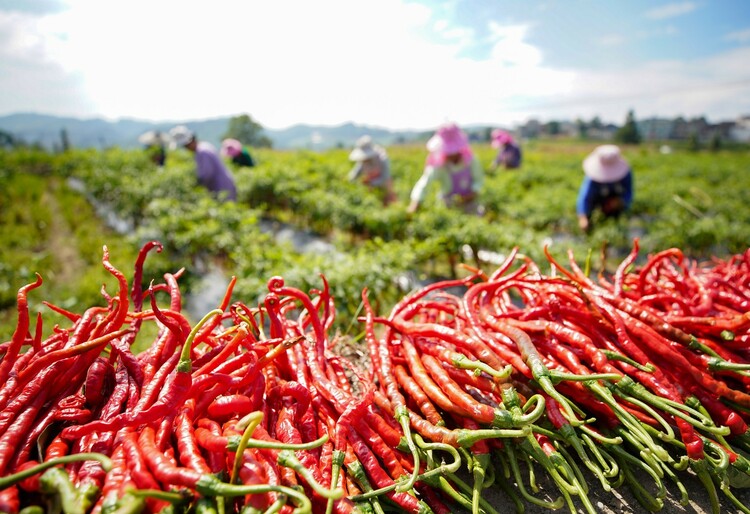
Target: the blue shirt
pixel 593 194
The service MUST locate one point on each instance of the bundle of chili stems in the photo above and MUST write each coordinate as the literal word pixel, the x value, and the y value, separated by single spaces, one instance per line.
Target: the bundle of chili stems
pixel 532 383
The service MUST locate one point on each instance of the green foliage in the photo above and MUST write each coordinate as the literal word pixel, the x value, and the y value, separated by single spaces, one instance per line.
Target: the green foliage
pixel 628 133
pixel 247 131
pixel 689 200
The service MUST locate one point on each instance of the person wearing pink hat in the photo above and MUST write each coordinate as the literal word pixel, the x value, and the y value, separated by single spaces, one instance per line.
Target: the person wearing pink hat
pixel 239 155
pixel 508 151
pixel 607 185
pixel 452 164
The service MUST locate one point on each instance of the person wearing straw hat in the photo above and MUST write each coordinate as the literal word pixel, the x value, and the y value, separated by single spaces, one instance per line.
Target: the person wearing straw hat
pixel 210 169
pixel 238 153
pixel 373 168
pixel 155 144
pixel 452 164
pixel 607 185
pixel 508 151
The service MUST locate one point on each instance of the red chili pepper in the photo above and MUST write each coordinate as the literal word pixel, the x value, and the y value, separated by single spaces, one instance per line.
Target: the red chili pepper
pixel 22 329
pixel 30 484
pixel 10 502
pixel 378 475
pixel 477 411
pixel 187 447
pixel 100 381
pixel 723 414
pixel 276 285
pixel 229 406
pixel 136 465
pixel 417 394
pixel 16 433
pixel 136 293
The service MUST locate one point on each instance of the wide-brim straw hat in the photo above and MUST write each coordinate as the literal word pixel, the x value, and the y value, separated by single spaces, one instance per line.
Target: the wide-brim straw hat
pixel 448 140
pixel 153 137
pixel 231 147
pixel 605 164
pixel 181 136
pixel 363 149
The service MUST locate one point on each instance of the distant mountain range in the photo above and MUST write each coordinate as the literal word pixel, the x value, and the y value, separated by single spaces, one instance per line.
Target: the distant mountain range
pixel 100 133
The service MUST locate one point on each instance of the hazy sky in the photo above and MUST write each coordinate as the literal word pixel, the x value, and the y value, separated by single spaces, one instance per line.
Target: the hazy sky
pixel 391 63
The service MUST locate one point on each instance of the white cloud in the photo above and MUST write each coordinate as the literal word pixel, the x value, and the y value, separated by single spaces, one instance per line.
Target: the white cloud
pixel 739 36
pixel 663 88
pixel 611 40
pixel 511 46
pixel 671 10
pixel 176 60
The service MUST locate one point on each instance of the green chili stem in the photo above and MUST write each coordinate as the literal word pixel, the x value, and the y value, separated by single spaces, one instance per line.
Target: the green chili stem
pixel 616 356
pixel 700 467
pixel 169 496
pixel 441 470
pixel 249 422
pixel 288 459
pixel 460 361
pixel 402 416
pixel 9 480
pixel 556 504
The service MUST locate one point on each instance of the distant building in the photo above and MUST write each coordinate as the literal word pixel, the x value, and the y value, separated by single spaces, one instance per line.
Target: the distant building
pixel 531 129
pixel 603 132
pixel 655 129
pixel 740 131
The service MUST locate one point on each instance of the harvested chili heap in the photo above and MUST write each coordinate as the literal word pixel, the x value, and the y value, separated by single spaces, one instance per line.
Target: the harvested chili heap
pixel 527 382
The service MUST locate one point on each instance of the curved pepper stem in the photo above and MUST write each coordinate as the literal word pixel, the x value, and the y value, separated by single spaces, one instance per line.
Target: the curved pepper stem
pixel 441 470
pixel 461 361
pixel 9 480
pixel 289 460
pixel 402 416
pixel 209 485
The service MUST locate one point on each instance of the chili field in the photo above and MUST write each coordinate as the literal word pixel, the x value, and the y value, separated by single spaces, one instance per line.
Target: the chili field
pixel 695 201
pixel 435 362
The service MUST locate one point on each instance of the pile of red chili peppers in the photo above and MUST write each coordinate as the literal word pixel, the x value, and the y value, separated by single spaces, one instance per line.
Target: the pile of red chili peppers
pixel 633 378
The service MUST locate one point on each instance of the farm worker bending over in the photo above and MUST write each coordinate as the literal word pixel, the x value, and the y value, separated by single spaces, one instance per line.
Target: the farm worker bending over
pixel 508 151
pixel 155 145
pixel 454 166
pixel 211 171
pixel 607 185
pixel 372 168
pixel 240 155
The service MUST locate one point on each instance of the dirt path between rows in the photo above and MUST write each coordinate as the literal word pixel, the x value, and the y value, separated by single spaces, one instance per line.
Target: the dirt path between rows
pixel 68 266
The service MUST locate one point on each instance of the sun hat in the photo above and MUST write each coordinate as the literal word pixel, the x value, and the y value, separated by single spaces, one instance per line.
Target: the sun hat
pixel 231 148
pixel 153 137
pixel 363 149
pixel 448 139
pixel 500 138
pixel 181 136
pixel 605 164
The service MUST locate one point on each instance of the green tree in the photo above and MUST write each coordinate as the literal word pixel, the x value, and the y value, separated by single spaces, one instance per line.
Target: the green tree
pixel 693 142
pixel 247 131
pixel 552 128
pixel 583 128
pixel 628 133
pixel 64 140
pixel 7 140
pixel 716 143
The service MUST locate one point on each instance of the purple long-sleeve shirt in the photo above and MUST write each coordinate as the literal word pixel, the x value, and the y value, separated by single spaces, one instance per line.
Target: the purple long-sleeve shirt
pixel 212 173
